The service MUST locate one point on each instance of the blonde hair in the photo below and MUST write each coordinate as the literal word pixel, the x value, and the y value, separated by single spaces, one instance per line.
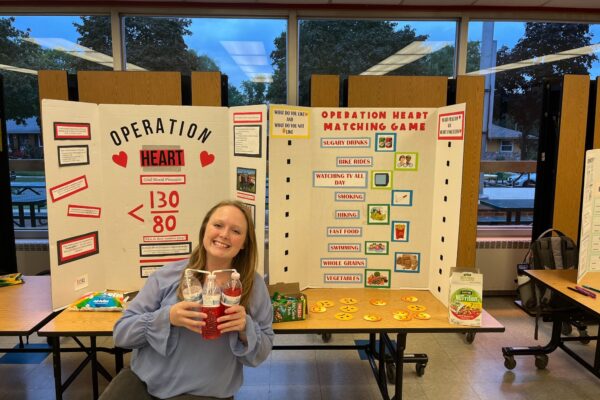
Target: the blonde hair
pixel 244 262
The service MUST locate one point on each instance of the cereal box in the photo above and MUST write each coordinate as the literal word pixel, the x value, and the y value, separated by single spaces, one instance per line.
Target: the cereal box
pixel 466 300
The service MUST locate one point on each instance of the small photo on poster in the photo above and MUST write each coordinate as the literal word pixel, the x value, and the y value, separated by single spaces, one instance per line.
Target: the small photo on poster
pixel 407 262
pixel 406 161
pixel 246 180
pixel 377 247
pixel 403 198
pixel 378 214
pixel 385 142
pixel 252 209
pixel 400 231
pixel 379 278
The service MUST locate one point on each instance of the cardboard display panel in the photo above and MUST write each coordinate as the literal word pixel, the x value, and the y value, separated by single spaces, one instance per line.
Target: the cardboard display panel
pixel 129 185
pixel 365 197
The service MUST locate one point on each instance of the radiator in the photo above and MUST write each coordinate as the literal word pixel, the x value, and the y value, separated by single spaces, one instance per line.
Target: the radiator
pixel 32 256
pixel 497 260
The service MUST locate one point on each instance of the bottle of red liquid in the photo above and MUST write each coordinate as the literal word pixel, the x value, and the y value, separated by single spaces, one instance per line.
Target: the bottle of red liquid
pixel 232 291
pixel 211 305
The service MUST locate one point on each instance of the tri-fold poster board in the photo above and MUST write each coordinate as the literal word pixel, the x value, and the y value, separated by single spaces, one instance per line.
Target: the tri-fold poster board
pixel 589 239
pixel 365 197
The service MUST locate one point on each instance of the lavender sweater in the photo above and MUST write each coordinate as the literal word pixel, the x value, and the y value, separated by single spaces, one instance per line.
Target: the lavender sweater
pixel 173 360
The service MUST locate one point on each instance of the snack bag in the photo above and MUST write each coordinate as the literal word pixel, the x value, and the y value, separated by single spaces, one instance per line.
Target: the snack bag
pixel 11 279
pixel 99 301
pixel 288 307
pixel 465 304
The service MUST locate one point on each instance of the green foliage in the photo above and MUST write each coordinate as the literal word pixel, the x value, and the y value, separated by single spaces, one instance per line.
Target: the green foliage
pixel 277 91
pixel 519 91
pixel 153 43
pixel 346 47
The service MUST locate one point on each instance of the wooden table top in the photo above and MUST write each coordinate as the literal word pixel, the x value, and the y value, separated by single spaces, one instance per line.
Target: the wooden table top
pixel 560 279
pixel 83 323
pixel 23 308
pixel 326 322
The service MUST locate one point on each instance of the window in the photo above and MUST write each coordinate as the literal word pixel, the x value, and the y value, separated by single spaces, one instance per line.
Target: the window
pixel 29 44
pixel 251 52
pixel 515 57
pixel 506 146
pixel 373 47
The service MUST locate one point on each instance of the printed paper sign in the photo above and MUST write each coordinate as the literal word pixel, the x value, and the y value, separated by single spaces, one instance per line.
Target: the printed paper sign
pixel 349 196
pixel 162 157
pixel 342 278
pixel 451 126
pixel 165 249
pixel 343 262
pixel 170 179
pixel 344 231
pixel 166 238
pixel 147 270
pixel 68 188
pixel 356 143
pixel 83 211
pixel 347 214
pixel 289 122
pixel 72 131
pixel 325 179
pixel 73 155
pixel 247 141
pixel 354 161
pixel 343 247
pixel 77 247
pixel 247 117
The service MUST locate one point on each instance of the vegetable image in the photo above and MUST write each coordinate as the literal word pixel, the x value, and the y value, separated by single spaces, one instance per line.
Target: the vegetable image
pixel 376 279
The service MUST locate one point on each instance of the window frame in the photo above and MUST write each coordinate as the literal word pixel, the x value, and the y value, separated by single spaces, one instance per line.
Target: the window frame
pixel 293 14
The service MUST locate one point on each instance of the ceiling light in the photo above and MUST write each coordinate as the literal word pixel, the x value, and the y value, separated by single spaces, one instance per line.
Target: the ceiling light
pixel 17 69
pixel 79 51
pixel 404 56
pixel 545 59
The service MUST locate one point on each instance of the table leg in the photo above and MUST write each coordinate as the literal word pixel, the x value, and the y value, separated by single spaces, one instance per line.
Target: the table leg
pixel 118 359
pixel 400 347
pixel 21 216
pixel 32 214
pixel 55 343
pixel 94 361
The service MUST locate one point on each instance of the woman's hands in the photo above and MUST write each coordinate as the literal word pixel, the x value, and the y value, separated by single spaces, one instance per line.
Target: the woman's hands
pixel 234 320
pixel 187 314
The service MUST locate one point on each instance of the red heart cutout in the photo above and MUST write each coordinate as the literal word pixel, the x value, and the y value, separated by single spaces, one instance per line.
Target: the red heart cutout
pixel 120 159
pixel 206 158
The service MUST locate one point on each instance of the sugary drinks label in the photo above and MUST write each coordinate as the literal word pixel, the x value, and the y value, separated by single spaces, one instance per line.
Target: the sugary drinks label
pixel 211 300
pixel 229 301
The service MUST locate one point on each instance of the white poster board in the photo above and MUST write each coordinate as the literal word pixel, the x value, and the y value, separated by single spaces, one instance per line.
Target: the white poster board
pixel 589 240
pixel 129 185
pixel 365 197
